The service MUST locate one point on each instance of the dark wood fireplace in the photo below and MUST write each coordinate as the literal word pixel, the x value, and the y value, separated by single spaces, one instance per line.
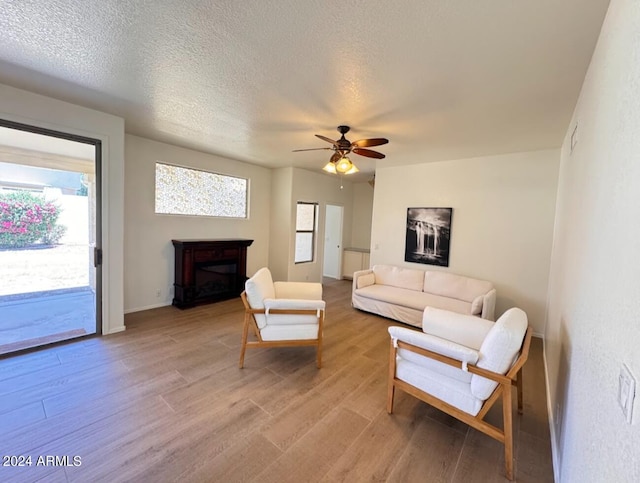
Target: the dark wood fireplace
pixel 209 270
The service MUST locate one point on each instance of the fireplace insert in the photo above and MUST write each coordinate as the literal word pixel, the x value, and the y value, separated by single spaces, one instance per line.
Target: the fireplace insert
pixel 209 270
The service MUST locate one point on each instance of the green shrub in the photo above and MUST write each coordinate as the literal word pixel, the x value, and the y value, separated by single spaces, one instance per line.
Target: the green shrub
pixel 26 219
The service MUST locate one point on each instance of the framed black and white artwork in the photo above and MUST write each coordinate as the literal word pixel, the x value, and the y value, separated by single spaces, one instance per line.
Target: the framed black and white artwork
pixel 428 236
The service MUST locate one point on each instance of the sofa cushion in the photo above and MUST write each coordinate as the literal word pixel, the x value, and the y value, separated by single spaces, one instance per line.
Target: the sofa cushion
pixel 412 299
pixel 365 280
pixel 399 277
pixel 499 350
pixel 476 305
pixel 456 286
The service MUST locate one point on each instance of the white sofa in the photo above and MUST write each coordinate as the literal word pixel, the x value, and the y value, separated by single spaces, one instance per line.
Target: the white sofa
pixel 402 294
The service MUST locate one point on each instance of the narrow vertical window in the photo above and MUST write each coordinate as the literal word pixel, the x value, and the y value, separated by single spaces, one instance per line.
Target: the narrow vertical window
pixel 306 222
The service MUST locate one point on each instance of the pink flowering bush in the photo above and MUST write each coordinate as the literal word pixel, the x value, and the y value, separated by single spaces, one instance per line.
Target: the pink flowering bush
pixel 26 219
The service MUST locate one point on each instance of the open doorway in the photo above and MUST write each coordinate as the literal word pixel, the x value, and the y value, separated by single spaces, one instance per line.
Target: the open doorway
pixel 332 261
pixel 49 236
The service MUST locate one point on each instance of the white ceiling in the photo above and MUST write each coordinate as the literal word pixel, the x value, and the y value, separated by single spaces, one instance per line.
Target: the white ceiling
pixel 254 79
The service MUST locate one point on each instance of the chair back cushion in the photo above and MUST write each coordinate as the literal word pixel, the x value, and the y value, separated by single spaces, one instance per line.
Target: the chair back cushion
pixel 408 278
pixel 258 288
pixel 468 330
pixel 455 286
pixel 499 350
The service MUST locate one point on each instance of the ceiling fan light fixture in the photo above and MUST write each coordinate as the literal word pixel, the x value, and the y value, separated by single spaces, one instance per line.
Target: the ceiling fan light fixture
pixel 339 162
pixel 330 168
pixel 343 165
pixel 353 169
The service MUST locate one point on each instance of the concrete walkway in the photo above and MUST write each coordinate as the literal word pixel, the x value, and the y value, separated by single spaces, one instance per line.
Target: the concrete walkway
pixel 32 319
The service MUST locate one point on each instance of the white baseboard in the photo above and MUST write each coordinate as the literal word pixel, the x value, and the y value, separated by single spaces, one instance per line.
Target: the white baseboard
pixel 147 307
pixel 115 330
pixel 552 426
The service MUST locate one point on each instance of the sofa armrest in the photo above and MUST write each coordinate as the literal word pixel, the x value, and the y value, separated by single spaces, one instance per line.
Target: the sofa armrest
pixel 489 305
pixel 434 344
pixel 356 276
pixel 294 304
pixel 468 330
pixel 298 290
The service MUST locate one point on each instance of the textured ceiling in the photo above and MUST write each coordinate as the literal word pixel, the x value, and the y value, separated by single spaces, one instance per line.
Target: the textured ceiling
pixel 254 79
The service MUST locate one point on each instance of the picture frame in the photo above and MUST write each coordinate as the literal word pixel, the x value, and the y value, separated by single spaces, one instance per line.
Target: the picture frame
pixel 428 236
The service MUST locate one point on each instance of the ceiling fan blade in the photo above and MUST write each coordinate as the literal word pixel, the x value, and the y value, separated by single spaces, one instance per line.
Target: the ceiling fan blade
pixel 365 143
pixel 368 153
pixel 336 156
pixel 310 149
pixel 324 138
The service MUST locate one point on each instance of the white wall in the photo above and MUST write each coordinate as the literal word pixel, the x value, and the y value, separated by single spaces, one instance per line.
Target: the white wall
pixel 323 189
pixel 502 222
pixel 280 231
pixel 149 253
pixel 362 213
pixel 28 108
pixel 594 293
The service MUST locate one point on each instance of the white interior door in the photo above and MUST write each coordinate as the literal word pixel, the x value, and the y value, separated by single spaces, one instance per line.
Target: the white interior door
pixel 332 242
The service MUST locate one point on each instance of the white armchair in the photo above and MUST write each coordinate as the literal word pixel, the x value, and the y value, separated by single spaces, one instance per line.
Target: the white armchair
pixel 462 365
pixel 282 314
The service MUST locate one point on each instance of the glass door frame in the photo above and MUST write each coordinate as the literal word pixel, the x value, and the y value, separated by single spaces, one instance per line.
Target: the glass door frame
pixel 97 252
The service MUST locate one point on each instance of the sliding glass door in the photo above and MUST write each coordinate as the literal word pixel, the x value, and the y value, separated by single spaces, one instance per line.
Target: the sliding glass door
pixel 50 252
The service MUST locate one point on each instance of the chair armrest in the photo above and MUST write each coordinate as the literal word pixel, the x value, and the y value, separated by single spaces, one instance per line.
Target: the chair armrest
pixel 467 330
pixel 489 305
pixel 434 344
pixel 298 290
pixel 356 276
pixel 294 304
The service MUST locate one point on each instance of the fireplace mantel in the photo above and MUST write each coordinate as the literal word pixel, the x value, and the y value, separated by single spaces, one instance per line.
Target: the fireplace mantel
pixel 209 270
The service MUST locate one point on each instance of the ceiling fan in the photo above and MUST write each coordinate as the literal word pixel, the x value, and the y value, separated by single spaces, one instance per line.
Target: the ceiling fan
pixel 339 162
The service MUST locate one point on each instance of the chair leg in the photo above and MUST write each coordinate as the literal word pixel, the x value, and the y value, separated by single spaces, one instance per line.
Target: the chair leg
pixel 508 430
pixel 391 377
pixel 320 330
pixel 245 334
pixel 519 390
pixel 319 355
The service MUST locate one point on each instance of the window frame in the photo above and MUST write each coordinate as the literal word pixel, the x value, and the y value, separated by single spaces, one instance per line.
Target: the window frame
pixel 223 175
pixel 313 231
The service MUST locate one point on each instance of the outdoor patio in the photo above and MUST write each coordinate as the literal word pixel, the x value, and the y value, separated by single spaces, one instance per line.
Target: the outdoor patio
pixel 45 296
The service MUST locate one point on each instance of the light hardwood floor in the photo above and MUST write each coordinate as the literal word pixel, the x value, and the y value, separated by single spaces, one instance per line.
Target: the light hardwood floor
pixel 165 401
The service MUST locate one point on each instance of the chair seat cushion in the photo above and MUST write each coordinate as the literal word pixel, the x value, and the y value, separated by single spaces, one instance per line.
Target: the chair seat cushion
pixel 290 332
pixel 435 366
pixel 452 391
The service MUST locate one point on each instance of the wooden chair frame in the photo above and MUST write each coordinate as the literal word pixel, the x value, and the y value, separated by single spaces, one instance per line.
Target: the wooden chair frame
pixel 512 377
pixel 250 320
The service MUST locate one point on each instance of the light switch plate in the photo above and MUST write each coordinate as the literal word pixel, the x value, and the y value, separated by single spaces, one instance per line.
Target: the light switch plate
pixel 626 392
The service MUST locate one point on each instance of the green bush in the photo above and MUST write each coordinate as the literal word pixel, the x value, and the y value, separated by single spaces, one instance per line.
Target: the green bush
pixel 26 219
